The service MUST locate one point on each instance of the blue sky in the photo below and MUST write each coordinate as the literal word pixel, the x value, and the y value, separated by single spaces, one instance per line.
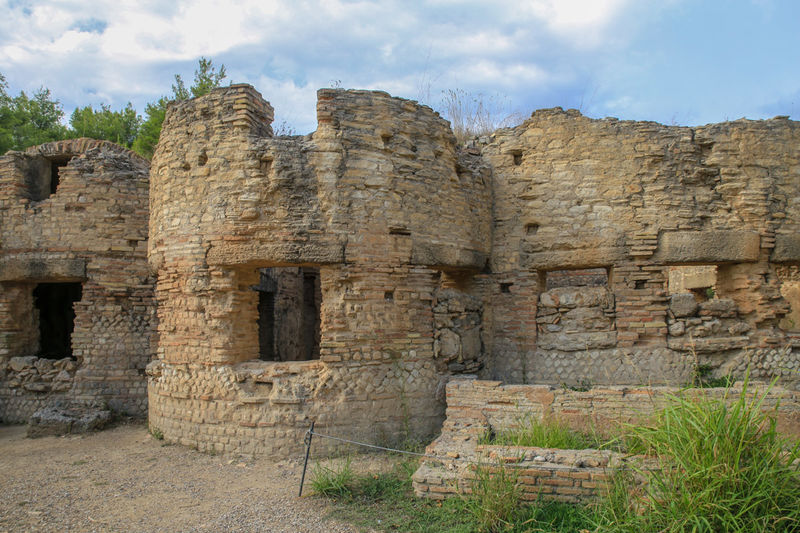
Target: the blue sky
pixel 685 62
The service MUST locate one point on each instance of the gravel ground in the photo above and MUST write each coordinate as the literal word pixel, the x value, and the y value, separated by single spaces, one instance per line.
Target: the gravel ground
pixel 122 479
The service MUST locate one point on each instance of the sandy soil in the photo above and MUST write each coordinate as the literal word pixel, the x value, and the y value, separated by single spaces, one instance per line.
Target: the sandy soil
pixel 123 479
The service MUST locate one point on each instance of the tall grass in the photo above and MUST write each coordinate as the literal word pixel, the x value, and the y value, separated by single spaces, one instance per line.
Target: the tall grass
pixel 544 433
pixel 386 502
pixel 495 497
pixel 723 468
pixel 333 481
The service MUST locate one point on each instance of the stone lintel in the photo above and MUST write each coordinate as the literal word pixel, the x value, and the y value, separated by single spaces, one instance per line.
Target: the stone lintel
pixel 787 249
pixel 276 254
pixel 447 256
pixel 680 247
pixel 42 269
pixel 589 257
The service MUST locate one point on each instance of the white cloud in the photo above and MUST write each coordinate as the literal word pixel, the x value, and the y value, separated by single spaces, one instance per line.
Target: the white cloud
pixel 582 22
pixel 537 52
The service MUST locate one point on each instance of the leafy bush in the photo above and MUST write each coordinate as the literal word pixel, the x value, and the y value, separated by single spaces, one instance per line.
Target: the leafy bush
pixel 723 467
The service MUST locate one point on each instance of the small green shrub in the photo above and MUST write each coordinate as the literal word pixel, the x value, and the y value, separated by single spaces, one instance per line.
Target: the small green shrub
pixel 333 482
pixel 723 467
pixel 704 379
pixel 156 433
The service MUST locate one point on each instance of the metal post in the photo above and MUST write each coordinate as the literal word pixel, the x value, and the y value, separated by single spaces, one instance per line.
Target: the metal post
pixel 309 435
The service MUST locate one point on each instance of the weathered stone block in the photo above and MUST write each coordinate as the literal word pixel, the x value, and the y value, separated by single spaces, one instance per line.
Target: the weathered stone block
pixel 51 269
pixel 18 364
pixel 683 278
pixel 787 249
pixel 586 255
pixel 683 304
pixel 724 307
pixel 62 418
pixel 449 344
pixel 430 254
pixel 572 297
pixel 707 247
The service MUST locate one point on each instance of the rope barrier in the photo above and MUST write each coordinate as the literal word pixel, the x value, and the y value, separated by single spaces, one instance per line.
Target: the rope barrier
pixel 417 454
pixel 311 432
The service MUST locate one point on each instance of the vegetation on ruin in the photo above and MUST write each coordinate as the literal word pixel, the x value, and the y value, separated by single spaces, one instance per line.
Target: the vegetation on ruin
pixel 475 115
pixel 386 502
pixel 723 467
pixel 544 433
pixel 704 378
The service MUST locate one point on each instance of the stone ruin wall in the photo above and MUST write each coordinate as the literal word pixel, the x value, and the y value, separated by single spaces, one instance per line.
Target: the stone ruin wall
pixel 91 233
pixel 563 251
pixel 694 230
pixel 376 199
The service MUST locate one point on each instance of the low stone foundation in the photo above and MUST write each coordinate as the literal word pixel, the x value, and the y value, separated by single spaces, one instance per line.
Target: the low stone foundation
pixel 573 476
pixel 477 408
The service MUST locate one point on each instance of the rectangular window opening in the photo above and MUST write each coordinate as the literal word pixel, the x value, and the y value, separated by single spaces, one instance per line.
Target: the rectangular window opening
pixel 289 303
pixel 54 303
pixel 700 280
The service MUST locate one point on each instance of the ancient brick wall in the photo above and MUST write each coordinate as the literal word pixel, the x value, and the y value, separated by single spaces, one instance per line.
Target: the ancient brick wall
pixel 476 409
pixel 637 200
pixel 73 240
pixel 565 250
pixel 376 200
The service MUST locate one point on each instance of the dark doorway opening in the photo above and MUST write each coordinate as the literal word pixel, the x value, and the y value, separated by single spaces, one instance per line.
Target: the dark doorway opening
pixel 55 172
pixel 289 301
pixel 266 326
pixel 55 305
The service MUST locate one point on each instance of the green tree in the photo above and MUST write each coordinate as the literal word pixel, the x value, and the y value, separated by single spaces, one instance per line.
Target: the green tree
pixel 120 127
pixel 150 130
pixel 206 78
pixel 6 139
pixel 28 121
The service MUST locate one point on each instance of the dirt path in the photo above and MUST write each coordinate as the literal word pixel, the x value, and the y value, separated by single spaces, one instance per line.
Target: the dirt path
pixel 123 479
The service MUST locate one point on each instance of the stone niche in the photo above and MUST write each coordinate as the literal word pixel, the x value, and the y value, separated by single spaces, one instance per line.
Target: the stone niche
pixel 789 277
pixel 701 320
pixel 576 311
pixel 458 322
